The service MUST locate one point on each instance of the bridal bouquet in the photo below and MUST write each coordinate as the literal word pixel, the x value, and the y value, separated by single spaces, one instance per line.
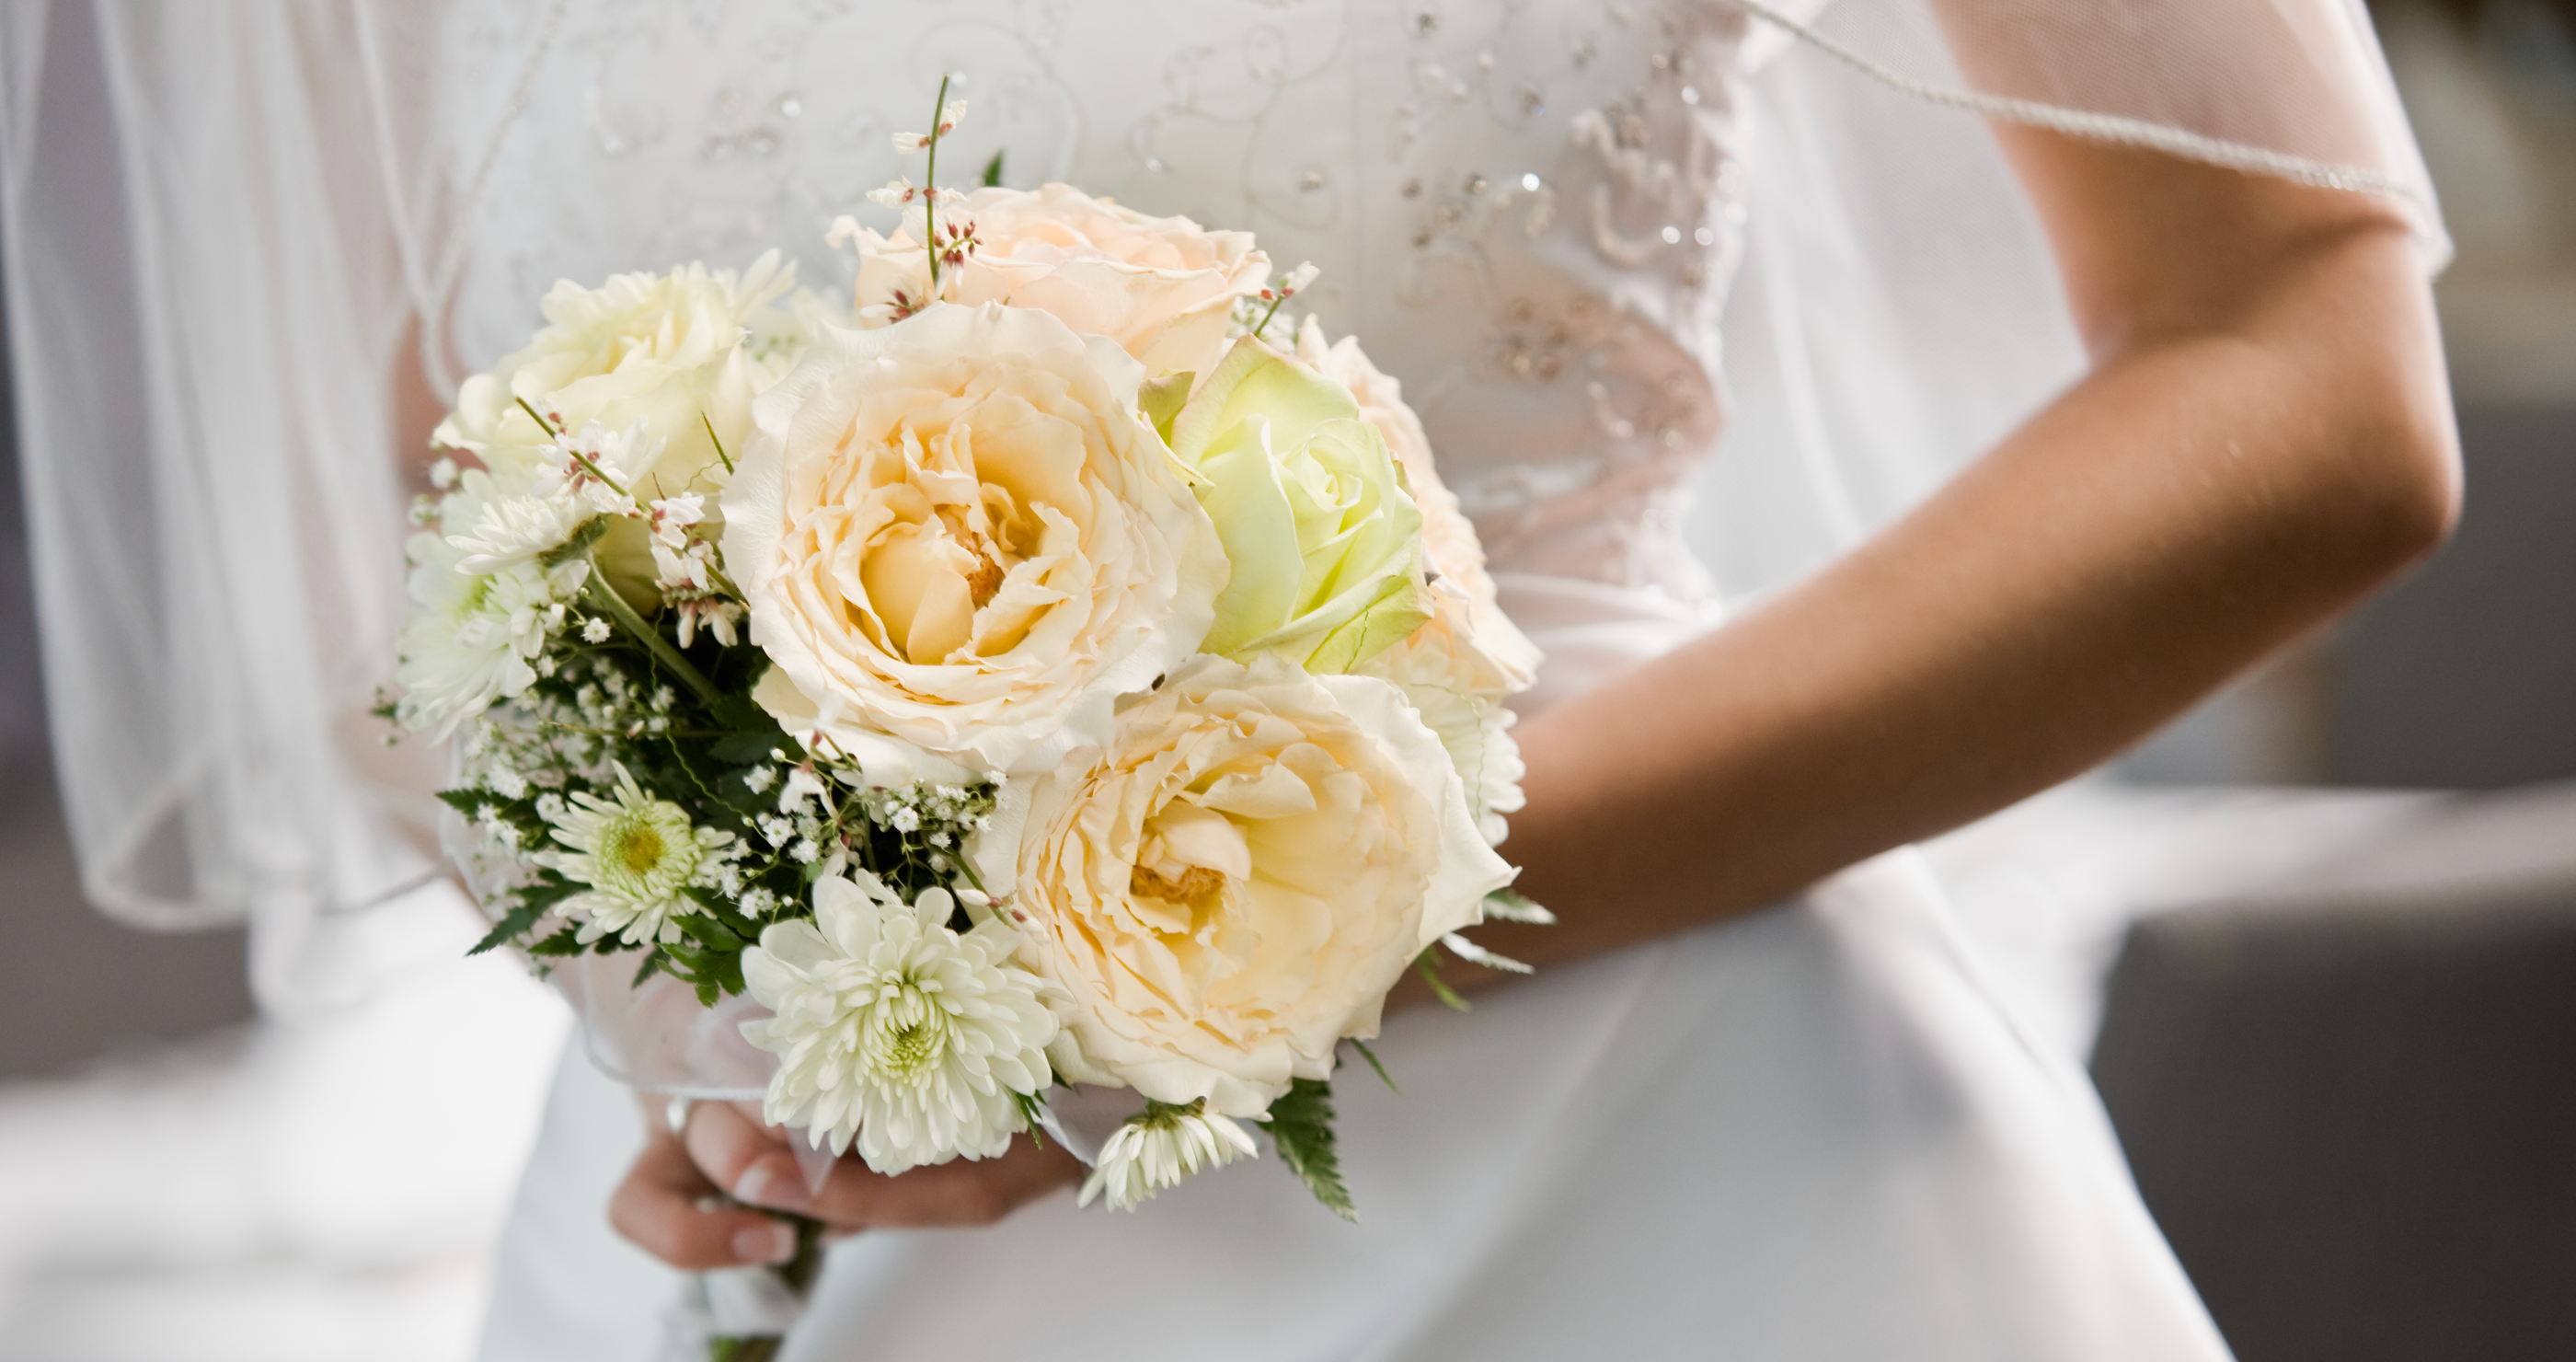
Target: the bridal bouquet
pixel 1032 676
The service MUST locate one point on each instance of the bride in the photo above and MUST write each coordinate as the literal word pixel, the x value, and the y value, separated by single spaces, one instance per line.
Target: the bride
pixel 1757 1102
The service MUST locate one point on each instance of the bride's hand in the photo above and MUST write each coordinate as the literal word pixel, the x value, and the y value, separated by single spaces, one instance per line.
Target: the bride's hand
pixel 674 1200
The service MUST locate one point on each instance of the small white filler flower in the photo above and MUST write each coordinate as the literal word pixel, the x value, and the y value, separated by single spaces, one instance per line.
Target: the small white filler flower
pixel 639 855
pixel 1158 1149
pixel 895 1029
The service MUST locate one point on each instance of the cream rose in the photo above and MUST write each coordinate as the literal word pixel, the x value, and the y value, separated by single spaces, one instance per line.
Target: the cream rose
pixel 1163 288
pixel 667 349
pixel 1232 886
pixel 956 533
pixel 1326 545
pixel 1444 674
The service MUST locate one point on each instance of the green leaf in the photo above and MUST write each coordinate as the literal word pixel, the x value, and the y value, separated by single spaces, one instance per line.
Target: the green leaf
pixel 1371 1056
pixel 513 925
pixel 736 709
pixel 755 732
pixel 565 942
pixel 680 758
pixel 1300 1123
pixel 993 172
pixel 750 748
pixel 1507 906
pixel 714 934
pixel 1428 966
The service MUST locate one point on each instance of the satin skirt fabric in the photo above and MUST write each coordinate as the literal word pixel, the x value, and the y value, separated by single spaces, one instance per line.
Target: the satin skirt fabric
pixel 1806 1133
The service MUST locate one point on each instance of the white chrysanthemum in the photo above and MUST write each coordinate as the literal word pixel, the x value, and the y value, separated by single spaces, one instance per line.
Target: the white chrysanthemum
pixel 514 532
pixel 894 1028
pixel 474 636
pixel 1158 1149
pixel 638 854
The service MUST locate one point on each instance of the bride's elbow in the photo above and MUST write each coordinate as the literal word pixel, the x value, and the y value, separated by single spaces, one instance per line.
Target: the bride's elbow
pixel 2364 345
pixel 2401 480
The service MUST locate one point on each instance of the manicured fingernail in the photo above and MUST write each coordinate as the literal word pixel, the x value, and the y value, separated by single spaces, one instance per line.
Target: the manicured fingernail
pixel 770 1243
pixel 761 1185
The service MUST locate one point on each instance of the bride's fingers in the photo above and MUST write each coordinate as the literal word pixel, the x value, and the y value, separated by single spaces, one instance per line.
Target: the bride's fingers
pixel 754 1165
pixel 963 1192
pixel 751 1162
pixel 671 1211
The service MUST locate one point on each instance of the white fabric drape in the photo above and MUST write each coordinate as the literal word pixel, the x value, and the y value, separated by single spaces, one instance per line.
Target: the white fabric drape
pixel 208 313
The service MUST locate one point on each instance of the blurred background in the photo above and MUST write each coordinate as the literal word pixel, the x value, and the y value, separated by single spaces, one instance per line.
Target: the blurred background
pixel 2341 1067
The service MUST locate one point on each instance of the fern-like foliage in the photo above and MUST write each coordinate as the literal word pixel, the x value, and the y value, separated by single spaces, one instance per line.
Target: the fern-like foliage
pixel 1301 1126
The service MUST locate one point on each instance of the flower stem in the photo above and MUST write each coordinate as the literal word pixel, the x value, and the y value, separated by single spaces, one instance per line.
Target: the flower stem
pixel 717 441
pixel 930 188
pixel 603 597
pixel 1264 324
pixel 575 455
pixel 799 1273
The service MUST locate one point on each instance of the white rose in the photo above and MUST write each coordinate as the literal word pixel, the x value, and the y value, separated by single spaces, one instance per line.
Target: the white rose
pixel 956 533
pixel 1232 886
pixel 1163 288
pixel 666 349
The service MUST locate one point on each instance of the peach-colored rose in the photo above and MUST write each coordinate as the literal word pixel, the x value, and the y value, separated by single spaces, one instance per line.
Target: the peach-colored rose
pixel 955 532
pixel 1231 887
pixel 1163 288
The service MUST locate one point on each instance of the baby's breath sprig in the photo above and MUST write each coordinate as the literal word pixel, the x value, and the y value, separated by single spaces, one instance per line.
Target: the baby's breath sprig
pixel 1297 281
pixel 554 429
pixel 943 121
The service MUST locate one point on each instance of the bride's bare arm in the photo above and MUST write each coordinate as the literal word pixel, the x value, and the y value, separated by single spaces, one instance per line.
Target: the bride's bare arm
pixel 2264 437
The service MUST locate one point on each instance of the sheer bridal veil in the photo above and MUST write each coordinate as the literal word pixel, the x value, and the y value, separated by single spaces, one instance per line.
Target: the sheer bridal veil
pixel 232 232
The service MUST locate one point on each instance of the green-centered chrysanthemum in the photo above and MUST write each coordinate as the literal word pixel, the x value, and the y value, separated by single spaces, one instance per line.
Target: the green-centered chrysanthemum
pixel 638 854
pixel 916 1041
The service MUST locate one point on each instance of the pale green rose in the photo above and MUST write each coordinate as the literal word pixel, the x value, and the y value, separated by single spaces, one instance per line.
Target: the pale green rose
pixel 1325 543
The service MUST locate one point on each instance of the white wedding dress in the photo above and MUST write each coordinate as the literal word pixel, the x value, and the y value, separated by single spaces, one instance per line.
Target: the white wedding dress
pixel 1810 1132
